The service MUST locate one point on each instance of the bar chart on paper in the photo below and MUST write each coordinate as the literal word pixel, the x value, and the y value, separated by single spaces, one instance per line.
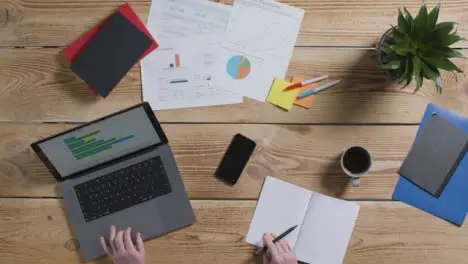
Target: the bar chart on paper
pixel 176 61
pixel 90 144
pixel 170 59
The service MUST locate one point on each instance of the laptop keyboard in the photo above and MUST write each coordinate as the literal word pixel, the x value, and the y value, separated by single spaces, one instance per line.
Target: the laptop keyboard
pixel 122 189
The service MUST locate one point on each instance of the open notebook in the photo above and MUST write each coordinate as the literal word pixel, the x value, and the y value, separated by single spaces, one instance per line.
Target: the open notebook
pixel 325 223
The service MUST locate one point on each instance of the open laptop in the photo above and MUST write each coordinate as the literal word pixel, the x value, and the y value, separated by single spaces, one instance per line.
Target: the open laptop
pixel 117 170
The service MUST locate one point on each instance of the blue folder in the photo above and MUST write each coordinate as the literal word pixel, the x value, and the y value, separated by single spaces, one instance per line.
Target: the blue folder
pixel 452 205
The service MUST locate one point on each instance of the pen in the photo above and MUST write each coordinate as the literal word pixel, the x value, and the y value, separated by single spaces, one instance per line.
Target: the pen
pixel 278 238
pixel 320 88
pixel 304 83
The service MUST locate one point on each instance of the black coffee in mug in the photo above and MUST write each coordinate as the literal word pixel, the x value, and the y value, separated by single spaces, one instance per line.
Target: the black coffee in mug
pixel 357 160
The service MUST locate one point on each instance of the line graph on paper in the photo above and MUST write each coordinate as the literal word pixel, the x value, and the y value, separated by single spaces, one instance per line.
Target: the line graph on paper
pixel 259 42
pixel 265 40
pixel 262 39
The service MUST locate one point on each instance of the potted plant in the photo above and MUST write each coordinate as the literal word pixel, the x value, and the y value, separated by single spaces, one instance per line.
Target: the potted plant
pixel 419 47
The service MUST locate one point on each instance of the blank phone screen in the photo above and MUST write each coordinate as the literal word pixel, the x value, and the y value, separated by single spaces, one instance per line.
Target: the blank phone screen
pixel 235 159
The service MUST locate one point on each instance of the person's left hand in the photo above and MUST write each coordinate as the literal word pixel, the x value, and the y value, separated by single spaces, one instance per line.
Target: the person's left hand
pixel 121 247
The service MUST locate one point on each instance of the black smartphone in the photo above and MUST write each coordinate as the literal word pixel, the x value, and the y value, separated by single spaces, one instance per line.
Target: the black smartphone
pixel 235 159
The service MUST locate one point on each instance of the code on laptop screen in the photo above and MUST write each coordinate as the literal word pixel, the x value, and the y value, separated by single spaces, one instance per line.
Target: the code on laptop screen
pixel 100 142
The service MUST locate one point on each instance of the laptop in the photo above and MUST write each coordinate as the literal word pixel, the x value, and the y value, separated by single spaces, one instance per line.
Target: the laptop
pixel 117 170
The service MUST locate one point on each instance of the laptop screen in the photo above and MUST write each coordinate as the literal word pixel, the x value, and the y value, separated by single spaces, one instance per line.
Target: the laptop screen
pixel 100 142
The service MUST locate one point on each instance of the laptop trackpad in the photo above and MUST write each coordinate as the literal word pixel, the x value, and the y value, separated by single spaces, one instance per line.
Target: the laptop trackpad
pixel 144 218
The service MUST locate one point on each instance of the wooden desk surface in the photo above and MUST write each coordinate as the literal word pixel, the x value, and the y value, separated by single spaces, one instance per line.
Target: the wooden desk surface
pixel 39 96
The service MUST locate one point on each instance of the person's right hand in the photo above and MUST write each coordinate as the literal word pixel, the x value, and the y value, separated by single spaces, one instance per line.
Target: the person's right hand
pixel 279 252
pixel 121 247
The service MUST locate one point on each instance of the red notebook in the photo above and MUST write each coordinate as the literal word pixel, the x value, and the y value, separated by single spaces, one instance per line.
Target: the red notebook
pixel 72 51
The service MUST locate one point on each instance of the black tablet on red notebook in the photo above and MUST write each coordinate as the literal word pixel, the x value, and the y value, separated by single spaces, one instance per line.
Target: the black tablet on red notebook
pixel 101 58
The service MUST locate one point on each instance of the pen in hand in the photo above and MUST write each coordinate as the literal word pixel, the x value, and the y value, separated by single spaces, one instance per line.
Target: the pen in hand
pixel 285 233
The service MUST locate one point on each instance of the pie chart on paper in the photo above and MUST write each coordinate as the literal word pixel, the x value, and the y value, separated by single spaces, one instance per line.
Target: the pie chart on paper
pixel 238 67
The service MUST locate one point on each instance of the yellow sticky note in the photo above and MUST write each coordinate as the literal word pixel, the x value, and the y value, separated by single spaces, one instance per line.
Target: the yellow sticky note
pixel 280 98
pixel 305 102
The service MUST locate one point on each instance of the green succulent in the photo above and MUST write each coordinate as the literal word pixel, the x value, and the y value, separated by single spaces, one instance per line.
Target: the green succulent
pixel 417 48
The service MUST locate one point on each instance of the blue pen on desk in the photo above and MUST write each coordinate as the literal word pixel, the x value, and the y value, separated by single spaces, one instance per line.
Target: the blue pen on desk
pixel 318 89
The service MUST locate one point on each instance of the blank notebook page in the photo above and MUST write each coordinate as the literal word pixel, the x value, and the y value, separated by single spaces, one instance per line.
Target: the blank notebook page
pixel 281 205
pixel 326 230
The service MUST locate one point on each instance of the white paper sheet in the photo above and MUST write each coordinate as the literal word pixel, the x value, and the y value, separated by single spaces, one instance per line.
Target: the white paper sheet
pixel 171 20
pixel 326 230
pixel 325 223
pixel 258 45
pixel 281 205
pixel 181 76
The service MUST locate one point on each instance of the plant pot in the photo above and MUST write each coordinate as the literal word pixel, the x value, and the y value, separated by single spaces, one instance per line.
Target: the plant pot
pixel 386 38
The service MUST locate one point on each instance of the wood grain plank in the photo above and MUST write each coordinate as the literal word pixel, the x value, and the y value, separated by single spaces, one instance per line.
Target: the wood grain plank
pixel 38 85
pixel 304 155
pixel 36 231
pixel 329 23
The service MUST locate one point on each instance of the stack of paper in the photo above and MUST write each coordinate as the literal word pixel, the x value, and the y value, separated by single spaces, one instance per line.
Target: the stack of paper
pixel 179 74
pixel 253 54
pixel 213 54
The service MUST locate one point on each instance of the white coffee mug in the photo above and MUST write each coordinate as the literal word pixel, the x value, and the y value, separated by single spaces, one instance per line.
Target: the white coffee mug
pixel 356 162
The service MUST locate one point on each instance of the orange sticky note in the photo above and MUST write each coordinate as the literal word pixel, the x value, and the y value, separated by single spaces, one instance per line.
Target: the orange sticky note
pixel 307 101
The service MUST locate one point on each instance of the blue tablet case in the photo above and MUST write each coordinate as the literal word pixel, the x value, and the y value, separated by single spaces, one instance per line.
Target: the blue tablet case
pixel 435 155
pixel 452 204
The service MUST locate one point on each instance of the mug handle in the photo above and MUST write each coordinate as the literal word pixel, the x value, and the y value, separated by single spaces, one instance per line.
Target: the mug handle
pixel 356 181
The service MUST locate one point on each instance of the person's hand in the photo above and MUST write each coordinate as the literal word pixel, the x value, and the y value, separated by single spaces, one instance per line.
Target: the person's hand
pixel 279 252
pixel 121 247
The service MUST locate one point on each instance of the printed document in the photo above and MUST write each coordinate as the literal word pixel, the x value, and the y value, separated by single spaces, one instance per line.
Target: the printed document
pixel 179 73
pixel 258 45
pixel 172 20
pixel 181 76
